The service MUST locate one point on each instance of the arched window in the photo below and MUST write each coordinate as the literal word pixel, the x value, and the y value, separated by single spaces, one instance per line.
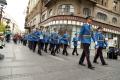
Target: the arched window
pixel 86 12
pixel 114 20
pixel 50 12
pixel 43 17
pixel 101 16
pixel 66 9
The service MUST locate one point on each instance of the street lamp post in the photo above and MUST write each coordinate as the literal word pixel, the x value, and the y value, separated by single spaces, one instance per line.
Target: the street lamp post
pixel 3 3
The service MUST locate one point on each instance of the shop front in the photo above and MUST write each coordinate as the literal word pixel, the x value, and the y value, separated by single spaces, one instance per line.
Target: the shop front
pixel 73 24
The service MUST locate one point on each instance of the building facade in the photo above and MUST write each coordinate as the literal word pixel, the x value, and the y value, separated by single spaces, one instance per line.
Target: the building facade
pixel 70 15
pixel 11 24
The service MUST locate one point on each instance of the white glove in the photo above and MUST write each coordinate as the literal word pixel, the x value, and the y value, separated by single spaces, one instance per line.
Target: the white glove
pixel 95 42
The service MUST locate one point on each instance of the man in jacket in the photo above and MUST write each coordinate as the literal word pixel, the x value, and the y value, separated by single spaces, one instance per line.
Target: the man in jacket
pixel 86 33
pixel 101 43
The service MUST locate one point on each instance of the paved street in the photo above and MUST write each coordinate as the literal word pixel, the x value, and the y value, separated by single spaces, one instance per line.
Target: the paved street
pixel 22 64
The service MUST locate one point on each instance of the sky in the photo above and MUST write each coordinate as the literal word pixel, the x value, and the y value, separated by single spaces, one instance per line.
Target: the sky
pixel 16 9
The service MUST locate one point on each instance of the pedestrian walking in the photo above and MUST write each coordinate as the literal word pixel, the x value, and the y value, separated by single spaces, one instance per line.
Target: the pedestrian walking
pixel 46 39
pixel 50 42
pixel 25 39
pixel 101 44
pixel 41 41
pixel 16 38
pixel 86 33
pixel 35 37
pixel 75 43
pixel 29 38
pixel 58 45
pixel 66 42
pixel 54 39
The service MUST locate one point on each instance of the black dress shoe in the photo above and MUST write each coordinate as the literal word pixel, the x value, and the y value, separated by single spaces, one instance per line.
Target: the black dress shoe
pixel 92 68
pixel 39 52
pixel 104 64
pixel 77 54
pixel 82 64
pixel 67 54
pixel 95 62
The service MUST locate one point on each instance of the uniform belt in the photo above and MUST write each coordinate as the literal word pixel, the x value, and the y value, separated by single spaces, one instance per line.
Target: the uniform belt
pixel 100 40
pixel 88 36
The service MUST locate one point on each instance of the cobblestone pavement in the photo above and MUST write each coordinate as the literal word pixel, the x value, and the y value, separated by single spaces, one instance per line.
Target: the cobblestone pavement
pixel 22 64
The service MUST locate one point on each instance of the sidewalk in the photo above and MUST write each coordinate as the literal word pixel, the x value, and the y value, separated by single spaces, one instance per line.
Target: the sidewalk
pixel 22 64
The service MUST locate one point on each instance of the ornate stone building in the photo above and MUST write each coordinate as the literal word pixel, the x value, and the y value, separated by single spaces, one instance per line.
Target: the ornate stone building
pixel 70 15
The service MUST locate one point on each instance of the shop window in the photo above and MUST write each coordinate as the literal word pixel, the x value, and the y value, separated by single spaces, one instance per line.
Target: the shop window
pixel 66 9
pixel 86 12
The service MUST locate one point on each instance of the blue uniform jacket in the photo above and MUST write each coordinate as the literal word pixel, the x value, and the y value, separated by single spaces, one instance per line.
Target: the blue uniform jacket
pixel 25 37
pixel 60 39
pixel 100 38
pixel 35 36
pixel 54 38
pixel 29 37
pixel 75 41
pixel 65 39
pixel 46 37
pixel 86 33
pixel 41 36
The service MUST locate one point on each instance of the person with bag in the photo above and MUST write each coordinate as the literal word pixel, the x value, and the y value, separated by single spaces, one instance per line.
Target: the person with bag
pixel 86 33
pixel 101 44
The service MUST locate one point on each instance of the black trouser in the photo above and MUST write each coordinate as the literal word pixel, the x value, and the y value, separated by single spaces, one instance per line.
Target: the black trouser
pixel 46 46
pixel 8 38
pixel 15 41
pixel 40 46
pixel 85 53
pixel 30 44
pixel 24 42
pixel 21 41
pixel 57 48
pixel 34 44
pixel 50 46
pixel 65 49
pixel 75 50
pixel 99 54
pixel 53 49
